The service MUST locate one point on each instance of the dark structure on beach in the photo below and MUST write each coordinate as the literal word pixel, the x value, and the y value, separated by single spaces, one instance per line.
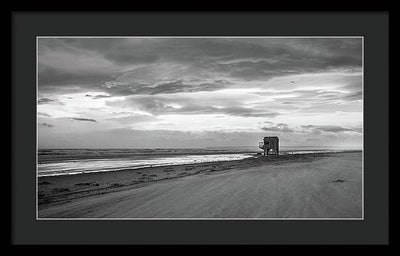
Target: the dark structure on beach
pixel 270 145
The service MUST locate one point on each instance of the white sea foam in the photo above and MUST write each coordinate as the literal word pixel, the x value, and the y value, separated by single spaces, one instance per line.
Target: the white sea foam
pixel 69 167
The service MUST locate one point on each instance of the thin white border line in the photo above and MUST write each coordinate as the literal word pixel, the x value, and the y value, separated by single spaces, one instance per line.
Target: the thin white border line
pixel 198 219
pixel 362 159
pixel 37 127
pixel 239 37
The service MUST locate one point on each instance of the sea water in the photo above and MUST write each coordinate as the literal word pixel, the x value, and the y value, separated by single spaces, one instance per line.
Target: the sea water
pixel 54 162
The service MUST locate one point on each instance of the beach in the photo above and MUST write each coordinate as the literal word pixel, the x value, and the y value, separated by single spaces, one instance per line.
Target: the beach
pixel 314 185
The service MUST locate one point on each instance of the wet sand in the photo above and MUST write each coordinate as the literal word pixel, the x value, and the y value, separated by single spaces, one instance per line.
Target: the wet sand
pixel 319 185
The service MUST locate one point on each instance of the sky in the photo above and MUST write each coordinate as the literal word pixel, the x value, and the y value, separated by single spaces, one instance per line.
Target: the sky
pixel 179 92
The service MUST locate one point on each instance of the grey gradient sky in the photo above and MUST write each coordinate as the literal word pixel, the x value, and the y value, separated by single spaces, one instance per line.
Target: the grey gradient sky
pixel 199 92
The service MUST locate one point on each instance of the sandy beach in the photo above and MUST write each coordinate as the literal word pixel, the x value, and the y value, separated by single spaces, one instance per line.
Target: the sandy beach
pixel 316 185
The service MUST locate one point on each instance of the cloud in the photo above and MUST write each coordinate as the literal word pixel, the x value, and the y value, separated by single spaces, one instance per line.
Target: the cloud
pixel 232 111
pixel 56 77
pixel 43 114
pixel 184 106
pixel 46 125
pixel 129 55
pixel 268 122
pixel 294 57
pixel 45 101
pixel 132 119
pixel 308 126
pixel 353 85
pixel 116 50
pixel 308 129
pixel 100 96
pixel 330 128
pixel 83 119
pixel 281 127
pixel 178 86
pixel 354 96
pixel 91 62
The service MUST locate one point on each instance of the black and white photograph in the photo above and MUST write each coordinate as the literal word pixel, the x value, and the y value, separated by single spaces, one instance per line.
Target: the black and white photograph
pixel 200 127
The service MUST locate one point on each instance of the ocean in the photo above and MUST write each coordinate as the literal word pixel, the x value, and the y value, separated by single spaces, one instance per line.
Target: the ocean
pixel 55 162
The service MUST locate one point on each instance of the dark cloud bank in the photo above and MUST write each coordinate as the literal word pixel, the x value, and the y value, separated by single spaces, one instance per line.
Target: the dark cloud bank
pixel 234 59
pixel 83 119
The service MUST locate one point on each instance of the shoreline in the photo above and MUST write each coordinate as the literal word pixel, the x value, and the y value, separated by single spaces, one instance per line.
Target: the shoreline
pixel 55 190
pixel 250 155
pixel 170 154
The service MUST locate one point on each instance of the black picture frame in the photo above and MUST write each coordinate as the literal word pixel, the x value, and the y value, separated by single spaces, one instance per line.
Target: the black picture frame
pixel 372 26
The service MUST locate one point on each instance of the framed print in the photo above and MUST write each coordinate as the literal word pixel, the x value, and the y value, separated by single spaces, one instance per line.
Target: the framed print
pixel 194 123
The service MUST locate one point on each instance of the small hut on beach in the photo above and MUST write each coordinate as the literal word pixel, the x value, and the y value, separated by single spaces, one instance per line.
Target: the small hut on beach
pixel 270 145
